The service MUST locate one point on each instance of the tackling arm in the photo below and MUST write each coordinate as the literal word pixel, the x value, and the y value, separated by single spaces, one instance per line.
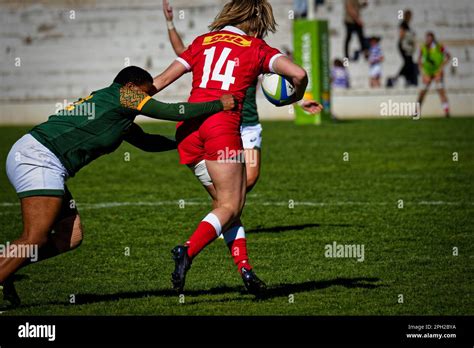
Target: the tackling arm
pixel 148 142
pixel 180 111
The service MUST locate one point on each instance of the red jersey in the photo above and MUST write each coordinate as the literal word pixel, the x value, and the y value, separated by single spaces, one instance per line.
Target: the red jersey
pixel 222 62
pixel 226 62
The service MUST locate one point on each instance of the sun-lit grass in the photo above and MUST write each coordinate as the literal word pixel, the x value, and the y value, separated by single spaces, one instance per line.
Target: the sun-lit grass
pixel 408 251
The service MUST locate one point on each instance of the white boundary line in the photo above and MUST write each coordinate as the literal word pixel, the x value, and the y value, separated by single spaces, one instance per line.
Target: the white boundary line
pixel 104 205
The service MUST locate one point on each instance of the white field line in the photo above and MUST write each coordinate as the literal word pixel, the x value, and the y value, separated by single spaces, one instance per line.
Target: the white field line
pixel 104 205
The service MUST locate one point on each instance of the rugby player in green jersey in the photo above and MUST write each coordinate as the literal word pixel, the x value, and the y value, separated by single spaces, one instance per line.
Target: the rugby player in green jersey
pixel 431 61
pixel 39 163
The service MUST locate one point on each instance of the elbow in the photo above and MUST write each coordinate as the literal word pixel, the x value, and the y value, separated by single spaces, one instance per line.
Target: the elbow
pixel 300 75
pixel 300 79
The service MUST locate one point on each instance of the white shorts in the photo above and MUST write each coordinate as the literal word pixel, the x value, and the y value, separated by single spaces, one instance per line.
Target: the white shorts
pixel 34 170
pixel 375 70
pixel 251 136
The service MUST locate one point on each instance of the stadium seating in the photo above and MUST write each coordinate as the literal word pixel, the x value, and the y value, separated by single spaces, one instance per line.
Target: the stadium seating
pixel 68 50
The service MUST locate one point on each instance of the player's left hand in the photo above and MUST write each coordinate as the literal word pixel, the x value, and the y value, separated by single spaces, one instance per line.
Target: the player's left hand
pixel 311 106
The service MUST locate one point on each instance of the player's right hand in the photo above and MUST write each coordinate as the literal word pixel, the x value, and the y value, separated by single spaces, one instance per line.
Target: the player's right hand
pixel 228 101
pixel 167 10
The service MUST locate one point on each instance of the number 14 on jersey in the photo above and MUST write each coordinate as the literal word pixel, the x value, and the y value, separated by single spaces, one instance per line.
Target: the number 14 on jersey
pixel 227 78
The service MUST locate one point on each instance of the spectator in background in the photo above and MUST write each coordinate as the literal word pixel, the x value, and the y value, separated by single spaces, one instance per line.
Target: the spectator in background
pixel 432 59
pixel 353 23
pixel 406 46
pixel 375 61
pixel 301 7
pixel 339 75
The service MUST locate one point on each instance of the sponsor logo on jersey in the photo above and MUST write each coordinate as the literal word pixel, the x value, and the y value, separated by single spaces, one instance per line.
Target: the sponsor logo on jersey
pixel 235 39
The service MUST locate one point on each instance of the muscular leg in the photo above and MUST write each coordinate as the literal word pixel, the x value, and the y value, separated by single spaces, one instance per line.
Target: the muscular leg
pixel 229 181
pixel 228 191
pixel 252 167
pixel 66 234
pixel 234 237
pixel 39 214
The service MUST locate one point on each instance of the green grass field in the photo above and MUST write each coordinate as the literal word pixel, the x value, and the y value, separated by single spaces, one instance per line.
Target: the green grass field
pixel 408 251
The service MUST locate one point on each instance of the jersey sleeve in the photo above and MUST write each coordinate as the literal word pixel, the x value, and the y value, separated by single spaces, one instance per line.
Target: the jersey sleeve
pixel 187 57
pixel 180 111
pixel 267 56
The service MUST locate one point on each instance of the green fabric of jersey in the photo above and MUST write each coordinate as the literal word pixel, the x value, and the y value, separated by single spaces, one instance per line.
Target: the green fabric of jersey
pixel 432 58
pixel 249 110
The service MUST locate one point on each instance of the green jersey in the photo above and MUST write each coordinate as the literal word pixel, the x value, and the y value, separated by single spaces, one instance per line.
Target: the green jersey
pixel 432 58
pixel 97 125
pixel 249 110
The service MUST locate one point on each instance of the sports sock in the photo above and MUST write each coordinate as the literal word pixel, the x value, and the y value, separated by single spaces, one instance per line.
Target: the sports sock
pixel 445 108
pixel 237 244
pixel 208 230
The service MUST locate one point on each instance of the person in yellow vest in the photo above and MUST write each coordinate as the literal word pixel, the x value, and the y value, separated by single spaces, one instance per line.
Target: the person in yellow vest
pixel 431 61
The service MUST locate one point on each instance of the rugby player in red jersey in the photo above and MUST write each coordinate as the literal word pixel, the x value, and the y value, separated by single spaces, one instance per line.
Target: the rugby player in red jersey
pixel 226 60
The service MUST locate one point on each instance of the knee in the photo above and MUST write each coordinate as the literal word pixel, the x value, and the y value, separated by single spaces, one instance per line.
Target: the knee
pixel 234 209
pixel 76 237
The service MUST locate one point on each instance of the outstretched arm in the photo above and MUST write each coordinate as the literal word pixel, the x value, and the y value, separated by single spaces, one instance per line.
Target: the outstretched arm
pixel 148 142
pixel 133 98
pixel 173 35
pixel 184 111
pixel 171 74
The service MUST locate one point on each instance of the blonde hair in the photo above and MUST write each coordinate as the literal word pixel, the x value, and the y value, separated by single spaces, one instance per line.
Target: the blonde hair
pixel 255 17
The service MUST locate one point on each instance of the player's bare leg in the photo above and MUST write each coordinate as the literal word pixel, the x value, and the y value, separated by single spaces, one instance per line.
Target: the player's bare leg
pixel 237 244
pixel 229 183
pixel 68 234
pixel 39 215
pixel 252 167
pixel 444 101
pixel 442 94
pixel 421 97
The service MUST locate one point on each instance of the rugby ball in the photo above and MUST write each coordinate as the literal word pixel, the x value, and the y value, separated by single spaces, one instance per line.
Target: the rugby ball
pixel 277 89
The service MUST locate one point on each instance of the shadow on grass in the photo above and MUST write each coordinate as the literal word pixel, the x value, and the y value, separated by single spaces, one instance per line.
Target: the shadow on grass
pixel 273 291
pixel 277 229
pixel 281 290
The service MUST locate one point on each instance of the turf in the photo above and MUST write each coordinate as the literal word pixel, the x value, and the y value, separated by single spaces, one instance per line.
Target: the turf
pixel 408 251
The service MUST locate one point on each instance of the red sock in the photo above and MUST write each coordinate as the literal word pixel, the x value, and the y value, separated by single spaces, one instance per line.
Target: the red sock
pixel 208 230
pixel 238 249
